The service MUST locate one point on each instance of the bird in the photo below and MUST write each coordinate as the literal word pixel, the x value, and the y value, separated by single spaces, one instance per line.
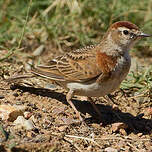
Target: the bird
pixel 96 70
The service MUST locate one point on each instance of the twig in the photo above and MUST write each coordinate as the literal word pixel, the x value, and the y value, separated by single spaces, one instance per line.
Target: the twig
pixel 75 145
pixel 84 138
pixel 46 11
pixel 106 138
pixel 133 147
pixel 119 138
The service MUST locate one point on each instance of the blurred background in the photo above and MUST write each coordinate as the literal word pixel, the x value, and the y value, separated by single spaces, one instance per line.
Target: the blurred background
pixel 69 23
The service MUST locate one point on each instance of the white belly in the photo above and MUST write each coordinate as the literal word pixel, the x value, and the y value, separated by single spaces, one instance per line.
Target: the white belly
pixel 94 89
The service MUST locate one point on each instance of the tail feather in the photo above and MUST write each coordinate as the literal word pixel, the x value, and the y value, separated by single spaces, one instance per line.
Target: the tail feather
pixel 17 77
pixel 43 71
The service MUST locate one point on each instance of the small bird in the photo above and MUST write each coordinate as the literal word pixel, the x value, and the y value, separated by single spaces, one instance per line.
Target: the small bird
pixel 94 71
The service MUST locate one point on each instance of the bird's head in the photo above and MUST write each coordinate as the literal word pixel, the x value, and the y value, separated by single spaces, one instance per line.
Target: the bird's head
pixel 125 34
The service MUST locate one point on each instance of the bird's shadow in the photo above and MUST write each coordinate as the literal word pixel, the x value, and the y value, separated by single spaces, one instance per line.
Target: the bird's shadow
pixel 136 124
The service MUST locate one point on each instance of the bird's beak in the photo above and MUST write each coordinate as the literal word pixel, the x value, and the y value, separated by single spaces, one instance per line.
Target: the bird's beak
pixel 143 35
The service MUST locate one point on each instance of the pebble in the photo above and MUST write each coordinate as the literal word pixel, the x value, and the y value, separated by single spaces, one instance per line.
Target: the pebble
pixel 115 107
pixel 28 65
pixel 51 86
pixel 139 134
pixel 123 132
pixel 109 149
pixel 22 122
pixel 89 148
pixel 30 134
pixel 1 140
pixel 148 111
pixel 19 102
pixel 117 126
pixel 29 125
pixel 19 120
pixel 44 110
pixel 62 128
pixel 2 97
pixel 27 114
pixel 38 51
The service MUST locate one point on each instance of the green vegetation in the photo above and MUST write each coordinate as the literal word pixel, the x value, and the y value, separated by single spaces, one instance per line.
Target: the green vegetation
pixel 72 24
pixel 140 81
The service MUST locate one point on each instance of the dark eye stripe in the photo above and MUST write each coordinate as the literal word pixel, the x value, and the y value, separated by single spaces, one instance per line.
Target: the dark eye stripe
pixel 132 35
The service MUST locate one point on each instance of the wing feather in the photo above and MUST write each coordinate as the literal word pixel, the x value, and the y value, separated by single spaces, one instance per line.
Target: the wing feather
pixel 79 65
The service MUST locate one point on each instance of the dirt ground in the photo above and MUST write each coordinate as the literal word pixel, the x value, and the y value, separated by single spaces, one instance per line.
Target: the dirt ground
pixel 125 126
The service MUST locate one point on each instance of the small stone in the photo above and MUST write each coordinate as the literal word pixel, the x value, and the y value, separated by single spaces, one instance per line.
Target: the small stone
pixel 95 125
pixel 44 110
pixel 87 115
pixel 148 111
pixel 123 132
pixel 2 97
pixel 19 103
pixel 62 128
pixel 139 134
pixel 1 140
pixel 22 122
pixel 19 120
pixel 133 136
pixel 117 126
pixel 38 51
pixel 51 86
pixel 28 125
pixel 10 113
pixel 109 149
pixel 115 107
pixel 28 65
pixel 89 148
pixel 83 98
pixel 29 134
pixel 27 114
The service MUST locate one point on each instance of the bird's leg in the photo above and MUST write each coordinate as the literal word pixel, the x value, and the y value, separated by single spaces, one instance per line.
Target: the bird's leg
pixel 94 106
pixel 69 97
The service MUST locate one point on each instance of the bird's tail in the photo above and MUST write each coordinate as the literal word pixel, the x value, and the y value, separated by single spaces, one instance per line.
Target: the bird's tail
pixel 17 77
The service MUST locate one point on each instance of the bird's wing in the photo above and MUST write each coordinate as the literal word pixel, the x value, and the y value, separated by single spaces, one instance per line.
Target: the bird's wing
pixel 79 65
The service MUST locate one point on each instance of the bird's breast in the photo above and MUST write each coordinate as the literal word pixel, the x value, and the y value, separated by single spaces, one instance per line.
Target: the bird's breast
pixel 95 89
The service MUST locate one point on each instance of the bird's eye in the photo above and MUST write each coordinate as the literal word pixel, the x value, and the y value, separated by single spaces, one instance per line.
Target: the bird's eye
pixel 125 32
